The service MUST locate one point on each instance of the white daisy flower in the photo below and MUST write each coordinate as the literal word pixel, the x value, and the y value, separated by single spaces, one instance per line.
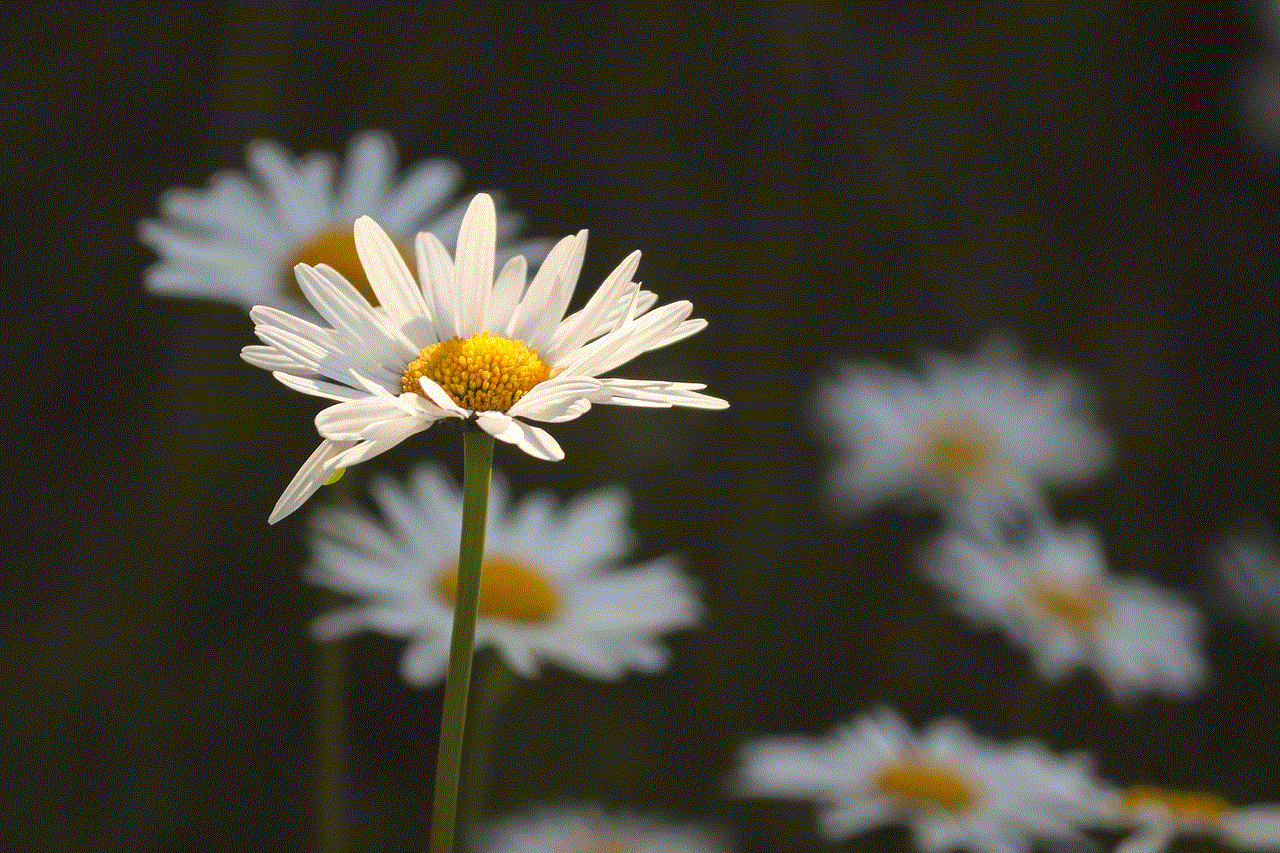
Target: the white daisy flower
pixel 1057 599
pixel 463 345
pixel 239 240
pixel 584 829
pixel 953 789
pixel 963 430
pixel 551 588
pixel 1160 815
pixel 1247 565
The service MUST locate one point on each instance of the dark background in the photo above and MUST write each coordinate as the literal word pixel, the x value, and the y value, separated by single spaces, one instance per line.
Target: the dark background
pixel 822 181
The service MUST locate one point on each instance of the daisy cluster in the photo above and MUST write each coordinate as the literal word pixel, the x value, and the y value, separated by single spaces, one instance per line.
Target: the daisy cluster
pixel 404 308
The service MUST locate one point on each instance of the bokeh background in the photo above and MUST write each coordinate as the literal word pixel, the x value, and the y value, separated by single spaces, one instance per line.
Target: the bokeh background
pixel 823 182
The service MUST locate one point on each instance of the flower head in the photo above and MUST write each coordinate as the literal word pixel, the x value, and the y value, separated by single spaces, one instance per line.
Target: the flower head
pixel 239 239
pixel 584 829
pixel 463 344
pixel 551 588
pixel 953 789
pixel 963 430
pixel 1056 598
pixel 1158 815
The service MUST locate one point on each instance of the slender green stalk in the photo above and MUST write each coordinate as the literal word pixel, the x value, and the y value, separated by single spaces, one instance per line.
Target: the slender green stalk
pixel 477 467
pixel 331 739
pixel 494 684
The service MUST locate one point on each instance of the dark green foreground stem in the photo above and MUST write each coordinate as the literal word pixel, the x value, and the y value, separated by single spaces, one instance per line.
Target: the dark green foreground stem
pixel 477 466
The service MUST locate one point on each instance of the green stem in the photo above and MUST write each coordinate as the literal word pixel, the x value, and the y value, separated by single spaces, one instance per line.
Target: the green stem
pixel 494 684
pixel 331 741
pixel 477 466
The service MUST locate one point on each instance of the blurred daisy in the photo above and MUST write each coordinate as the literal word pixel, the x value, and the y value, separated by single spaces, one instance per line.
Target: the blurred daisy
pixel 589 830
pixel 463 345
pixel 1160 815
pixel 1057 599
pixel 1247 565
pixel 963 430
pixel 551 589
pixel 951 788
pixel 238 240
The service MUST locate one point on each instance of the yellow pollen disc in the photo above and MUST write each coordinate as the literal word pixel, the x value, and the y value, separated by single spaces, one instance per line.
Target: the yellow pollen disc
pixel 336 248
pixel 484 373
pixel 920 784
pixel 1185 804
pixel 1078 606
pixel 958 450
pixel 507 589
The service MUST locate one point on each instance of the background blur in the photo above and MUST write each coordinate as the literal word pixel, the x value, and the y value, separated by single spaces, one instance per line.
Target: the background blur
pixel 822 182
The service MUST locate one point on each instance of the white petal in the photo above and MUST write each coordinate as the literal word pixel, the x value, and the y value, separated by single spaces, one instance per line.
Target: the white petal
pixel 347 421
pixel 473 264
pixel 1253 828
pixel 317 387
pixel 435 268
pixel 421 193
pixel 533 440
pixel 371 163
pixel 579 327
pixel 389 276
pixel 528 314
pixel 506 295
pixel 310 477
pixel 556 400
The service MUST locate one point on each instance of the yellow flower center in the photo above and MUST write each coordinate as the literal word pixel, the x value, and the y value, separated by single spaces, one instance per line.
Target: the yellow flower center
pixel 483 372
pixel 337 248
pixel 1077 606
pixel 920 784
pixel 508 590
pixel 1197 805
pixel 958 450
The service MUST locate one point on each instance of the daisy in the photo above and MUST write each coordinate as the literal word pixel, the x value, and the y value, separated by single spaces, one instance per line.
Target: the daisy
pixel 1160 815
pixel 951 788
pixel 962 430
pixel 1247 564
pixel 238 240
pixel 551 587
pixel 583 829
pixel 463 345
pixel 1057 599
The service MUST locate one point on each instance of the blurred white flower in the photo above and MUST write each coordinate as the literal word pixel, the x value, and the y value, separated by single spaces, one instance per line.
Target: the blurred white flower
pixel 464 345
pixel 1056 598
pixel 551 589
pixel 238 240
pixel 585 829
pixel 1158 816
pixel 953 789
pixel 963 430
pixel 1247 566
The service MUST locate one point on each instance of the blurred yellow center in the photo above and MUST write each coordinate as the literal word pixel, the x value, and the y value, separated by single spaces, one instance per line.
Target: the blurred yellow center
pixel 483 372
pixel 958 450
pixel 1184 804
pixel 1079 606
pixel 921 784
pixel 507 589
pixel 337 248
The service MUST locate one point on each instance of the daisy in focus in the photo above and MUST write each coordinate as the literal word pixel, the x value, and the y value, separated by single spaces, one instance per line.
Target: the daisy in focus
pixel 239 239
pixel 951 788
pixel 464 345
pixel 963 430
pixel 552 589
pixel 589 830
pixel 1247 566
pixel 1158 816
pixel 1057 599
